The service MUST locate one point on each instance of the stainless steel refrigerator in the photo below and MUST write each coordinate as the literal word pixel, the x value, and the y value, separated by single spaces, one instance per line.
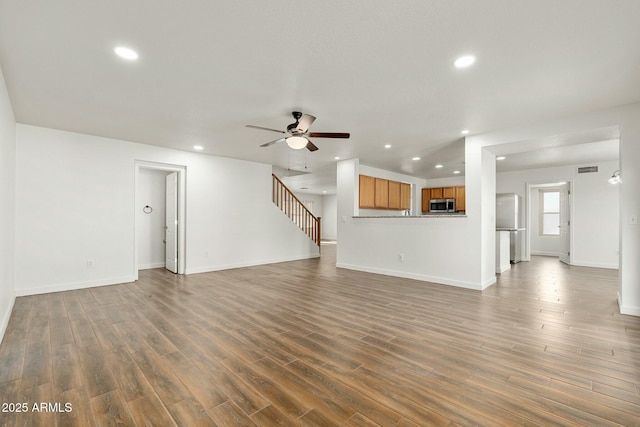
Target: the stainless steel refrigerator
pixel 509 217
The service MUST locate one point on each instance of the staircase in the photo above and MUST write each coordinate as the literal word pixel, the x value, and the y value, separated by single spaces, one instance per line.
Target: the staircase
pixel 292 207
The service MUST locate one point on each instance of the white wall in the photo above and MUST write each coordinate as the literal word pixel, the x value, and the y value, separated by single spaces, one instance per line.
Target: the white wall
pixel 75 203
pixel 594 209
pixel 7 205
pixel 330 217
pixel 151 226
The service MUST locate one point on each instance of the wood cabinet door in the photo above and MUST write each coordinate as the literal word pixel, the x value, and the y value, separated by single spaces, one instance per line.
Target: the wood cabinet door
pixel 461 200
pixel 436 193
pixel 367 191
pixel 449 193
pixel 381 193
pixel 426 196
pixel 394 195
pixel 405 196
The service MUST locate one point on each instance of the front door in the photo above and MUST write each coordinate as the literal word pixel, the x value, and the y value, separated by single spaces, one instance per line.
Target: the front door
pixel 171 223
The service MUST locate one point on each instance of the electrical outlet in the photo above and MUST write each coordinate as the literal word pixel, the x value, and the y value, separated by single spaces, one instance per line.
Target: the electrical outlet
pixel 90 263
pixel 401 257
pixel 633 219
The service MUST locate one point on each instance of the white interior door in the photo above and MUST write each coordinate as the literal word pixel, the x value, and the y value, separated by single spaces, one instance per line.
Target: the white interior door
pixel 565 223
pixel 171 223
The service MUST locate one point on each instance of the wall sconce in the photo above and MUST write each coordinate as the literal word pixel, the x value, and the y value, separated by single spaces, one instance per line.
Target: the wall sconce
pixel 615 178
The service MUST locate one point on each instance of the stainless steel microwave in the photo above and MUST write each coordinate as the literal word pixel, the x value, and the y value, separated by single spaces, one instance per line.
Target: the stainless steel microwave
pixel 442 205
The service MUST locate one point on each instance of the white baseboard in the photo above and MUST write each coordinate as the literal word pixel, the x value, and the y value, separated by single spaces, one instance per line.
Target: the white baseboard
pixel 218 267
pixel 542 253
pixel 503 269
pixel 421 277
pixel 625 309
pixel 5 318
pixel 594 265
pixel 61 287
pixel 151 265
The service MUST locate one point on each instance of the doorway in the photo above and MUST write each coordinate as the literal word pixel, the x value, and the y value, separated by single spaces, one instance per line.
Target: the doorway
pixel 549 220
pixel 160 217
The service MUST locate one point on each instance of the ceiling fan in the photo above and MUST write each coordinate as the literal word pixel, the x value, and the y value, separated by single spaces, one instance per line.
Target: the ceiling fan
pixel 297 134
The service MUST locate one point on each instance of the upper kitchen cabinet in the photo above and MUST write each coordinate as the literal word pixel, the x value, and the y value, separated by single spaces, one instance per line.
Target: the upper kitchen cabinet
pixel 379 193
pixel 382 193
pixel 395 197
pixel 435 193
pixel 367 191
pixel 405 196
pixel 426 197
pixel 449 193
pixel 460 196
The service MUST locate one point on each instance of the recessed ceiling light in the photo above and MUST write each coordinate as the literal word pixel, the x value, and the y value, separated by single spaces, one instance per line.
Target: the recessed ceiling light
pixel 324 191
pixel 416 158
pixel 464 61
pixel 464 132
pixel 456 172
pixel 126 53
pixel 198 147
pixel 387 146
pixel 439 166
pixel 500 158
pixel 336 158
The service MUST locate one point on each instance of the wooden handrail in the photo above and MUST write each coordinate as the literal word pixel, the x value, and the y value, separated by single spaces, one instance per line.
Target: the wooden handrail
pixel 291 206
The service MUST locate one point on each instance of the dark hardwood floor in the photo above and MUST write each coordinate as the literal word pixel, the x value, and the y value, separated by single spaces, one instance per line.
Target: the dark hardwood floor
pixel 304 343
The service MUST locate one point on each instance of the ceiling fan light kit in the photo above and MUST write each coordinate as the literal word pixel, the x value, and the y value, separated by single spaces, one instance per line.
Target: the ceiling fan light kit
pixel 297 142
pixel 296 135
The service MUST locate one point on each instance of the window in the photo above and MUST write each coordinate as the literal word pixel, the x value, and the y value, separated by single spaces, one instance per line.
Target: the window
pixel 549 212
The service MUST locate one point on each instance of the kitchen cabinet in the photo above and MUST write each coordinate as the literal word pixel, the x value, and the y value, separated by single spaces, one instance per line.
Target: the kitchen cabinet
pixel 405 196
pixel 367 191
pixel 436 193
pixel 381 200
pixel 379 193
pixel 460 197
pixel 458 193
pixel 449 193
pixel 426 196
pixel 395 197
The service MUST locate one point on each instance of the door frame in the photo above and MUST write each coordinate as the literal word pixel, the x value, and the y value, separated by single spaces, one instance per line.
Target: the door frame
pixel 182 195
pixel 529 216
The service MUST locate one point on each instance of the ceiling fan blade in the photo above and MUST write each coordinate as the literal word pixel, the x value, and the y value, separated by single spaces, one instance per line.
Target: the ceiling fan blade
pixel 266 144
pixel 305 121
pixel 263 128
pixel 328 135
pixel 311 146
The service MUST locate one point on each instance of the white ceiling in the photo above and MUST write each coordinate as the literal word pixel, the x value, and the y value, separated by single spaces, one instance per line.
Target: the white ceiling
pixel 381 70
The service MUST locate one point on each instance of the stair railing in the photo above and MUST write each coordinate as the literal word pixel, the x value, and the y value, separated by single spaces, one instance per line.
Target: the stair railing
pixel 291 206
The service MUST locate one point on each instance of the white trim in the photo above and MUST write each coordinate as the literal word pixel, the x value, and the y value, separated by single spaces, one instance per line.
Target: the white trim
pixel 151 265
pixel 421 277
pixel 631 311
pixel 543 253
pixel 505 268
pixel 60 287
pixel 182 211
pixel 594 265
pixel 211 268
pixel 6 318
